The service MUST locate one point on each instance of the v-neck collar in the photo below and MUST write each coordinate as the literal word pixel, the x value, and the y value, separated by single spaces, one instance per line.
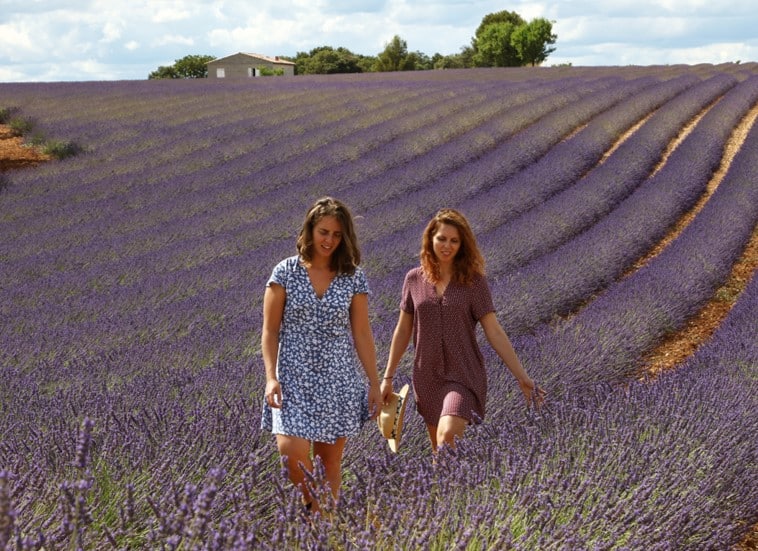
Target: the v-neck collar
pixel 313 287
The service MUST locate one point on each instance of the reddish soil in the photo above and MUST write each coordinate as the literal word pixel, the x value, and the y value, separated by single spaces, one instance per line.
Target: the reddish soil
pixel 14 153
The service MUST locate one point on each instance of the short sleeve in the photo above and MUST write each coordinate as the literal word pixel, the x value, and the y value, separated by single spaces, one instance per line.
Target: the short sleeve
pixel 406 298
pixel 280 273
pixel 360 282
pixel 481 301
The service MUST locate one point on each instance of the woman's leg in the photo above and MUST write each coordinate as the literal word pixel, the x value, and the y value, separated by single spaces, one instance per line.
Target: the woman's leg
pixel 449 428
pixel 331 457
pixel 446 431
pixel 432 430
pixel 298 453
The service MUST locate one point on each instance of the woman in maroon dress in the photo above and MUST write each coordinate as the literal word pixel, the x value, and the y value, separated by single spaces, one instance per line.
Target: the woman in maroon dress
pixel 442 301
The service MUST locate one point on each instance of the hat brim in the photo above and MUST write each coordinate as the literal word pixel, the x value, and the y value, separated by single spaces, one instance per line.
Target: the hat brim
pixel 391 418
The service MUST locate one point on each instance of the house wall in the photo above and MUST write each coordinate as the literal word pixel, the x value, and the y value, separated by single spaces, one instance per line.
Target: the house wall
pixel 244 66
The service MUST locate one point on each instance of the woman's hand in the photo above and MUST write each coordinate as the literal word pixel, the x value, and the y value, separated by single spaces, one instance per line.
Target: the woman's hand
pixel 374 400
pixel 386 390
pixel 534 394
pixel 273 393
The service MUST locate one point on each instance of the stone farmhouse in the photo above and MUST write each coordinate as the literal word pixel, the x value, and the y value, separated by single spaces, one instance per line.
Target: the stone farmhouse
pixel 242 65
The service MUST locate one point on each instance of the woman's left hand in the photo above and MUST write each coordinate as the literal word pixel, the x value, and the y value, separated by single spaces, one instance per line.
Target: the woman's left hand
pixel 374 400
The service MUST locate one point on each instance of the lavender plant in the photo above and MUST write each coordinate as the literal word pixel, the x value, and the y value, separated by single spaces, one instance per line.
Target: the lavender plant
pixel 132 277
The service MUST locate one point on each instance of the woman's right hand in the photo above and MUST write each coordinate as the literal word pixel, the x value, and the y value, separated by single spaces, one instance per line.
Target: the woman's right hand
pixel 273 393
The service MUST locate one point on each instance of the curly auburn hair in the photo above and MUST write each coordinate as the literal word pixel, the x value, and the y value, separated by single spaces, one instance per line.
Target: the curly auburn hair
pixel 468 263
pixel 347 256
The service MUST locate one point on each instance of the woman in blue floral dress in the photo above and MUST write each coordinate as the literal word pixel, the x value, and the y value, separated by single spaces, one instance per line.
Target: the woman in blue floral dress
pixel 315 320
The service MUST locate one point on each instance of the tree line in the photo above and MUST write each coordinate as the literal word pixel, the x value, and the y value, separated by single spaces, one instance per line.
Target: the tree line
pixel 503 39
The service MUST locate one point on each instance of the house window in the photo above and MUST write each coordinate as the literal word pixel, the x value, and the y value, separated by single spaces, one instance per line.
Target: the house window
pixel 220 72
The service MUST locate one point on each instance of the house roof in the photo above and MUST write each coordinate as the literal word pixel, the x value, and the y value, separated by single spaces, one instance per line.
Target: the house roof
pixel 262 57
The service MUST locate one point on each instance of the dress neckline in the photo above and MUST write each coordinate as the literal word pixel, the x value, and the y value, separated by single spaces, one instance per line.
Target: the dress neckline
pixel 313 287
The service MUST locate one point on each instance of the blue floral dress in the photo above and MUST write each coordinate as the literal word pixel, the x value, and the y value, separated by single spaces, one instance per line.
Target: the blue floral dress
pixel 324 395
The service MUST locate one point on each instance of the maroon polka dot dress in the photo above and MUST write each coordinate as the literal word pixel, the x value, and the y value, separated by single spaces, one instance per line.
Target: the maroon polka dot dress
pixel 448 368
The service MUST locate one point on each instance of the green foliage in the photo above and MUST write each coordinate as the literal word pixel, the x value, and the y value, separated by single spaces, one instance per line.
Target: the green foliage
pixel 504 39
pixel 326 60
pixel 422 61
pixel 269 72
pixel 61 149
pixel 20 126
pixel 532 40
pixel 494 48
pixel 395 57
pixel 5 114
pixel 163 72
pixel 190 66
pixel 499 17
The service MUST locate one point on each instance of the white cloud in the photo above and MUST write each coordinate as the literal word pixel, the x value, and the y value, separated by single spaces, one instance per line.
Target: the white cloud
pixel 16 43
pixel 172 39
pixel 111 32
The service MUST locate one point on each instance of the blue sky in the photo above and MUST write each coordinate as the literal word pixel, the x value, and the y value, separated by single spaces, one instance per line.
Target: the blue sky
pixel 58 40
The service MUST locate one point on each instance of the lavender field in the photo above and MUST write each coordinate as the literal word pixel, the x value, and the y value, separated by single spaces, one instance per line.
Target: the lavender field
pixel 132 278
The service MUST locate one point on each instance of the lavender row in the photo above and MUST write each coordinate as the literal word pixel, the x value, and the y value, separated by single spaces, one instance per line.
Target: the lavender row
pixel 239 180
pixel 636 313
pixel 464 137
pixel 101 231
pixel 139 416
pixel 90 254
pixel 83 310
pixel 568 213
pixel 404 217
pixel 556 283
pixel 121 298
pixel 570 160
pixel 145 171
pixel 516 482
pixel 133 290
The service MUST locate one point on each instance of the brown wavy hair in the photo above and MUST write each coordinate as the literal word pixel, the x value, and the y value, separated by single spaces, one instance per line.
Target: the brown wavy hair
pixel 347 256
pixel 468 263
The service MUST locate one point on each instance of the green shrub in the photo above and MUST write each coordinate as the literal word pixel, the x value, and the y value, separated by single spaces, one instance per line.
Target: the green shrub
pixel 61 149
pixel 20 126
pixel 5 114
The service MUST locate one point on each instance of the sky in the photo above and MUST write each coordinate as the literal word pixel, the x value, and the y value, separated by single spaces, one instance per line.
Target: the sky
pixel 79 40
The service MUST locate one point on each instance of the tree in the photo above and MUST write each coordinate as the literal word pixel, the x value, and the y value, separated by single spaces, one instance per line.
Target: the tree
pixel 504 16
pixel 395 57
pixel 494 48
pixel 163 72
pixel 453 61
pixel 491 44
pixel 327 61
pixel 190 66
pixel 504 39
pixel 532 41
pixel 421 61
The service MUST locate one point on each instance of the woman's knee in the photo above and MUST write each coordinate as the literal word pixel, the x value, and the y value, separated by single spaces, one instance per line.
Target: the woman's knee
pixel 330 454
pixel 296 450
pixel 449 429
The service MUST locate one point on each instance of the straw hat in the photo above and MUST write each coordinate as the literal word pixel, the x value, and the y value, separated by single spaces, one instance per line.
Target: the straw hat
pixel 390 418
